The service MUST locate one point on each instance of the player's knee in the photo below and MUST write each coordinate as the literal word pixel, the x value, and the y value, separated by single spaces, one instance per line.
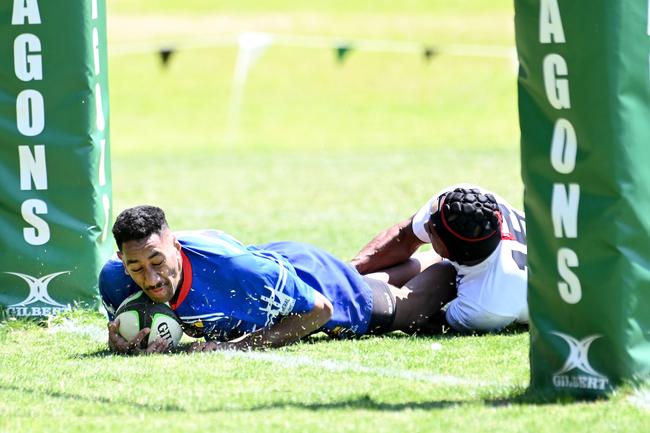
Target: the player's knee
pixel 493 324
pixel 466 317
pixel 443 280
pixel 484 322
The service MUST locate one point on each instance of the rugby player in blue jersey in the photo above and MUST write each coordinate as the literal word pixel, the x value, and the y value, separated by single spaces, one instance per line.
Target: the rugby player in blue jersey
pixel 251 297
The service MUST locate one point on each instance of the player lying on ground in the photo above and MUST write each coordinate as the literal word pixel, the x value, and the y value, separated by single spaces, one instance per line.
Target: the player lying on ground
pixel 249 297
pixel 481 235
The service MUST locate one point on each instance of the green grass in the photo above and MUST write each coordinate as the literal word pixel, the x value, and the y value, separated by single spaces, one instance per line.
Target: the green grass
pixel 326 153
pixel 315 136
pixel 59 381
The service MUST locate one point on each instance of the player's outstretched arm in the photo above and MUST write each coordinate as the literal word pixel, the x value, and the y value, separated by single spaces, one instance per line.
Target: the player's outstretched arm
pixel 289 329
pixel 393 246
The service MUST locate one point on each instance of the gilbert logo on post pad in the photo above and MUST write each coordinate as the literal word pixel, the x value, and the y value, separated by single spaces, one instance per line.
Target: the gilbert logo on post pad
pixel 578 359
pixel 38 293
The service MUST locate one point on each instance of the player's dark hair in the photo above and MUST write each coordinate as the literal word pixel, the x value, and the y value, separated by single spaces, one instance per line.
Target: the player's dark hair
pixel 469 224
pixel 137 223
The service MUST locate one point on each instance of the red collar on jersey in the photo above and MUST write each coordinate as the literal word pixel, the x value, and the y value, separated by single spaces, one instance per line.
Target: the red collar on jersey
pixel 183 291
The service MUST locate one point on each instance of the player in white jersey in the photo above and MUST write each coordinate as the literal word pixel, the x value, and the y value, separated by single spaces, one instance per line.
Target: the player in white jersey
pixel 481 235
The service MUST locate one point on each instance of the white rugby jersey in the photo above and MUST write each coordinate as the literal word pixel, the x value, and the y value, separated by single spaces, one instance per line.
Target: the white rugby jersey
pixel 496 286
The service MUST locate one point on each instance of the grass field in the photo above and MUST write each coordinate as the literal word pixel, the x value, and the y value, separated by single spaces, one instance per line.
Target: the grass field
pixel 326 153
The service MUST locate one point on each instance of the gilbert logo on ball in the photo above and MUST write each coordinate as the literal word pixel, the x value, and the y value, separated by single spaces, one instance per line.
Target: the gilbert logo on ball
pixel 138 312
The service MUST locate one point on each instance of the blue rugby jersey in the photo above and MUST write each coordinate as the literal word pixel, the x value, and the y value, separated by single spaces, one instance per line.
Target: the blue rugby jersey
pixel 230 289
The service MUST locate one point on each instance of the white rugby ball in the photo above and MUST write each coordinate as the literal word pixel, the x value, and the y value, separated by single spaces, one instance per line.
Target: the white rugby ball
pixel 138 312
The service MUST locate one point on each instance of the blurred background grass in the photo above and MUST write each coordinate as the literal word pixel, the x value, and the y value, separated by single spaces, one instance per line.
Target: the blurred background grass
pixel 326 153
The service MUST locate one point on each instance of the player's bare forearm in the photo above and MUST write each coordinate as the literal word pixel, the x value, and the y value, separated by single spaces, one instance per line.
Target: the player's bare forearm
pixel 288 330
pixel 393 246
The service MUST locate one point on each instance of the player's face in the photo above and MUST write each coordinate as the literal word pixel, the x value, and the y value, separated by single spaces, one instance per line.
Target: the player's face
pixel 436 242
pixel 155 264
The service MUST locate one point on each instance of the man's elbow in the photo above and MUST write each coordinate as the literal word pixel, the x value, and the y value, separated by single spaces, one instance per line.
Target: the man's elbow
pixel 328 310
pixel 323 310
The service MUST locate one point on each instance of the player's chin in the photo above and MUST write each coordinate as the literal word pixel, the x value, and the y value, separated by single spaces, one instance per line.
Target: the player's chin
pixel 160 294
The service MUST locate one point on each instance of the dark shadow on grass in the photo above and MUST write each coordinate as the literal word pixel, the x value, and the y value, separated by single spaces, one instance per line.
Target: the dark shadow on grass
pixel 62 395
pixel 530 397
pixel 102 353
pixel 364 402
pixel 105 353
pixel 360 402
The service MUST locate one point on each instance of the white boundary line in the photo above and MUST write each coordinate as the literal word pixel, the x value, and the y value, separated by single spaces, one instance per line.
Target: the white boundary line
pixel 490 51
pixel 99 334
pixel 640 398
pixel 292 361
pixel 94 332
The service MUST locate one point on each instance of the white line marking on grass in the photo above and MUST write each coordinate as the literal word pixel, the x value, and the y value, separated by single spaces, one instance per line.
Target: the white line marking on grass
pixel 640 398
pixel 94 332
pixel 100 334
pixel 291 361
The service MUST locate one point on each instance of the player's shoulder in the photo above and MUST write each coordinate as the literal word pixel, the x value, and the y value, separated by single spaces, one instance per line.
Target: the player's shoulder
pixel 223 253
pixel 292 248
pixel 112 268
pixel 210 242
pixel 114 284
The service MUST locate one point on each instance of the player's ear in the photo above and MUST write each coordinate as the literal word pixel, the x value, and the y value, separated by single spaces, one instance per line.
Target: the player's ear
pixel 177 244
pixel 121 257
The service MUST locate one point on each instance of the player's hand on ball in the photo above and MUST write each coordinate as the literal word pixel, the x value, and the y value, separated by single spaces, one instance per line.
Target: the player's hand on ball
pixel 158 346
pixel 119 344
pixel 137 313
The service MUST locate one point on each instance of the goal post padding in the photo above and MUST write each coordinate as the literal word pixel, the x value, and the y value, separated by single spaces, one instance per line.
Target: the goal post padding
pixel 584 110
pixel 55 179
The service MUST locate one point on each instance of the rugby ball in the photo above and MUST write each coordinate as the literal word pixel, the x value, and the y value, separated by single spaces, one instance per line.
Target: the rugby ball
pixel 138 312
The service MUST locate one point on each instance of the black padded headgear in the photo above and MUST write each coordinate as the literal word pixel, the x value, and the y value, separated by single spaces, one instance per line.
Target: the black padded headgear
pixel 469 224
